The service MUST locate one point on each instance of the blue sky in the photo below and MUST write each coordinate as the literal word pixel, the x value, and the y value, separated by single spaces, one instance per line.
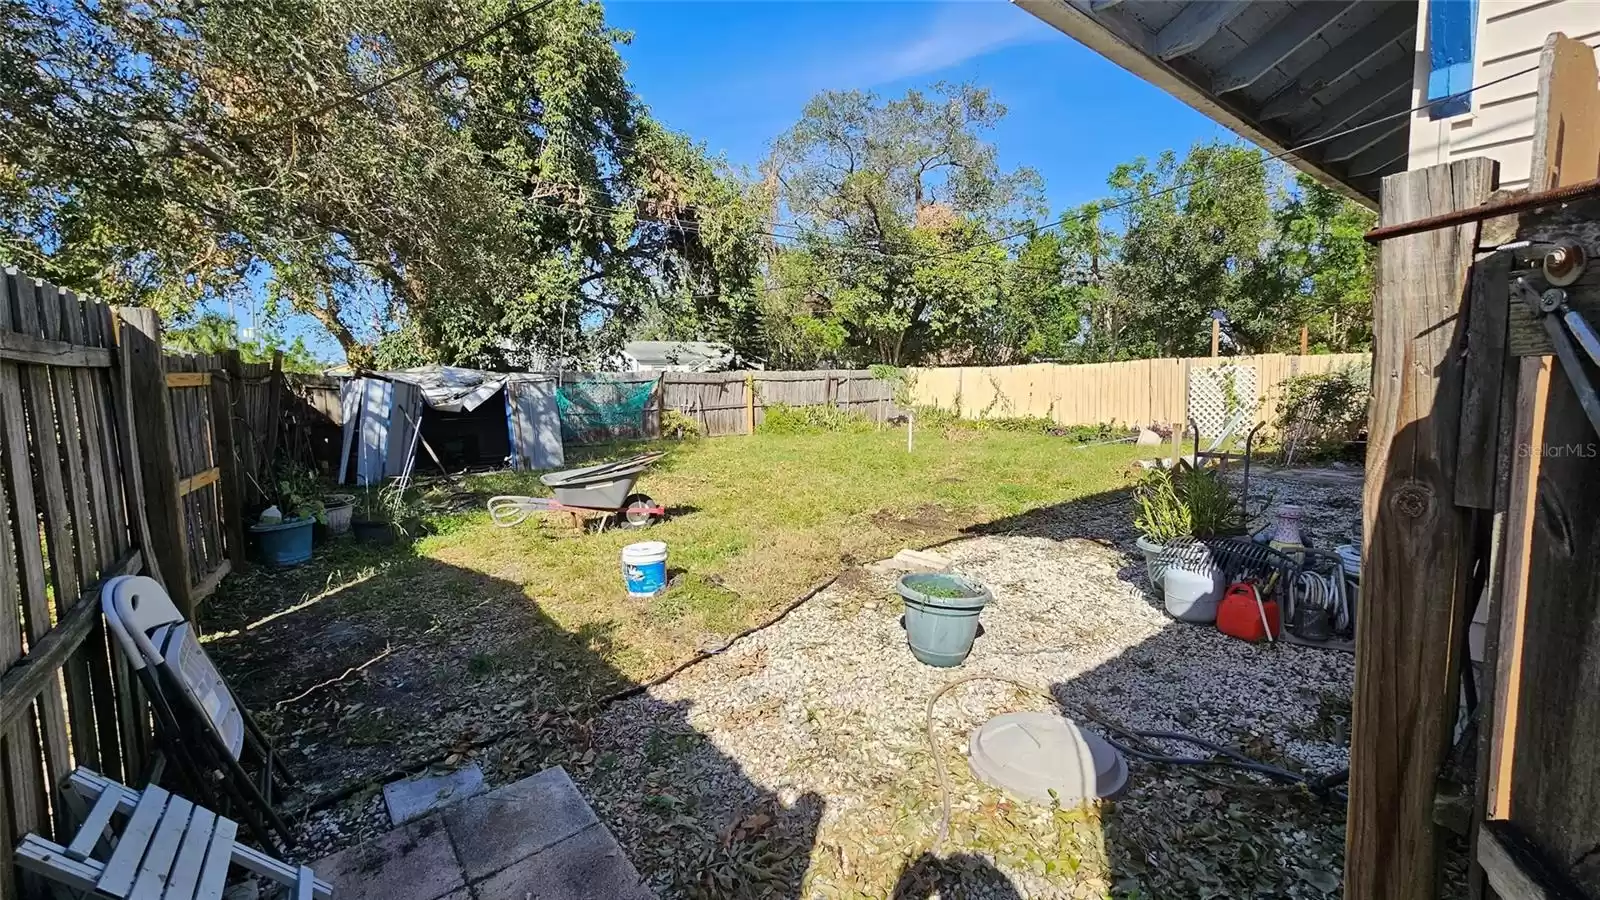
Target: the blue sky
pixel 735 73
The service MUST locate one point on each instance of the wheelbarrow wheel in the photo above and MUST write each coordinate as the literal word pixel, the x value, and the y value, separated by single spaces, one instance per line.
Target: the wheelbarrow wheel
pixel 638 511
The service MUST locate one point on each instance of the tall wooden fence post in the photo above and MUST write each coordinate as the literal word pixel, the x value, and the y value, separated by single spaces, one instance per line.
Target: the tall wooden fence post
pixel 1417 541
pixel 151 416
pixel 274 411
pixel 749 403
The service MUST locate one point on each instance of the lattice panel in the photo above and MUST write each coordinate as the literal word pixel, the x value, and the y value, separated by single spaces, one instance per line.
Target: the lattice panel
pixel 1218 393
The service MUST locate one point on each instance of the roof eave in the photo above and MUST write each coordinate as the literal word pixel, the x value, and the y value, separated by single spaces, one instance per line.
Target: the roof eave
pixel 1123 50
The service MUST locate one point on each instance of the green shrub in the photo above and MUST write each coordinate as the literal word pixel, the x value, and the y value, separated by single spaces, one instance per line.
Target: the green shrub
pixel 1160 513
pixel 781 418
pixel 1319 414
pixel 942 419
pixel 679 425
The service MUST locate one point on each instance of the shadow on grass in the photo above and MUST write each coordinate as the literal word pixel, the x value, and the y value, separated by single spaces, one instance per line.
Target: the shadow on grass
pixel 370 664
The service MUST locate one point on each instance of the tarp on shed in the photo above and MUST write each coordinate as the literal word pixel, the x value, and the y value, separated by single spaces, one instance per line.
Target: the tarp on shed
pixel 451 388
pixel 385 412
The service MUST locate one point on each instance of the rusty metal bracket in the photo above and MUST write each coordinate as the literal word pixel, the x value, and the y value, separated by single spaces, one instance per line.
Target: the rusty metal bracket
pixel 1506 207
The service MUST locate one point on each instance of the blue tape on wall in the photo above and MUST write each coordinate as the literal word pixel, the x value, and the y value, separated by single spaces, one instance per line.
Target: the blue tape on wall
pixel 1452 36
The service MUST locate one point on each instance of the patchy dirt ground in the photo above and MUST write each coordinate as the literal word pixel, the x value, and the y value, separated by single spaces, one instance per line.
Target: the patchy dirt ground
pixel 795 763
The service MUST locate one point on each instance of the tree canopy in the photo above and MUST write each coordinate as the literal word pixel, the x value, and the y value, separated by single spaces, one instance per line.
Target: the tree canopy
pixel 212 332
pixel 515 197
pixel 896 206
pixel 517 200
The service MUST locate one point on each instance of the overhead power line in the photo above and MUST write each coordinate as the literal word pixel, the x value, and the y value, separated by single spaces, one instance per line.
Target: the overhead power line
pixel 1292 151
pixel 515 15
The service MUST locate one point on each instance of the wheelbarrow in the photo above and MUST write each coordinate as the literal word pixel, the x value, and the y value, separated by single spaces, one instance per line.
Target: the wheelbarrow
pixel 604 490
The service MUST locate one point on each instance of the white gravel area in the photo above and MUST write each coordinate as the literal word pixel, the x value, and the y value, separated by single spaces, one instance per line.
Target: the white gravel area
pixel 795 764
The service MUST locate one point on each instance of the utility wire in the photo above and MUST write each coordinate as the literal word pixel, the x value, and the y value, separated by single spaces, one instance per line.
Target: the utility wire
pixel 845 248
pixel 1260 161
pixel 403 74
pixel 1082 216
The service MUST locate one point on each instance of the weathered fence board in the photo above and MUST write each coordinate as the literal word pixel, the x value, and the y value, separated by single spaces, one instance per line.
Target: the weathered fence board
pixel 729 402
pixel 211 464
pixel 1416 556
pixel 67 489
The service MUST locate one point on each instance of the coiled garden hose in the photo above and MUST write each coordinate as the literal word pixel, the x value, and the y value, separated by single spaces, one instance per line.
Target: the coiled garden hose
pixel 1329 593
pixel 1138 745
pixel 508 510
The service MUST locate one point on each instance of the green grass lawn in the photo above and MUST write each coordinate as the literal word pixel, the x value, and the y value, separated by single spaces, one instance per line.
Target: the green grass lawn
pixel 390 655
pixel 753 522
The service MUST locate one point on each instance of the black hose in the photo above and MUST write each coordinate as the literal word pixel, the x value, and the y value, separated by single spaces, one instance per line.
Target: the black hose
pixel 1273 772
pixel 1324 786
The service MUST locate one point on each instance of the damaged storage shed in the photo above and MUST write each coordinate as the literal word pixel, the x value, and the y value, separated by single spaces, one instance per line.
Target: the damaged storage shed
pixel 464 418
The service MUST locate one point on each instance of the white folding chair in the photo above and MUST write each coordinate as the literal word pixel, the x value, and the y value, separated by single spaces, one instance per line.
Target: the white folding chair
pixel 152 845
pixel 199 721
pixel 147 624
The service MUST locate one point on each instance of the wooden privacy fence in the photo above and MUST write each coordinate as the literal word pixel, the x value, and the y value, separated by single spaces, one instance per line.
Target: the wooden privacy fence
pixel 71 507
pixel 200 392
pixel 736 402
pixel 208 426
pixel 1135 392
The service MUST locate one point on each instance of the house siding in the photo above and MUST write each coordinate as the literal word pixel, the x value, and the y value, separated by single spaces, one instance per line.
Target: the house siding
pixel 1510 35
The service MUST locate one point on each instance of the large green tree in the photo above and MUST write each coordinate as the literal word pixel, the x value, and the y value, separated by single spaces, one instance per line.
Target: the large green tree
pixel 1191 227
pixel 1316 272
pixel 897 206
pixel 1222 231
pixel 513 197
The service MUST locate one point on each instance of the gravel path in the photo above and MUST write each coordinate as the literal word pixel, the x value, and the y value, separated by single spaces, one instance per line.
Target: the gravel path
pixel 795 764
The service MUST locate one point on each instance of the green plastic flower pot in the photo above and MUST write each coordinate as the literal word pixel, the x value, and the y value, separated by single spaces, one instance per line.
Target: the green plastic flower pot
pixel 941 616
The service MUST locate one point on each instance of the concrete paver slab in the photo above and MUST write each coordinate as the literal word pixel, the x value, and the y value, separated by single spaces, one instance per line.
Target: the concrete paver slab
pixel 414 798
pixel 512 823
pixel 586 866
pixel 414 862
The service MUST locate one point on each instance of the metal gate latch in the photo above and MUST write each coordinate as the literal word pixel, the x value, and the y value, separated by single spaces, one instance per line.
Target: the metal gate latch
pixel 1562 266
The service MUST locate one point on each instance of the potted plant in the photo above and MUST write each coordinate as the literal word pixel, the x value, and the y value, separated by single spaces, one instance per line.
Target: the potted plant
pixel 1177 510
pixel 941 615
pixel 283 531
pixel 381 515
pixel 1161 516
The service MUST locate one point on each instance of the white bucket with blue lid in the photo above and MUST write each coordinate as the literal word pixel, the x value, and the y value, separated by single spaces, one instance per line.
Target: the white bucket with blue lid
pixel 644 569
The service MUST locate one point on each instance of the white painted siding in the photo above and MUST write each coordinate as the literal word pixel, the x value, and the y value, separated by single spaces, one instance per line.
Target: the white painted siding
pixel 1510 35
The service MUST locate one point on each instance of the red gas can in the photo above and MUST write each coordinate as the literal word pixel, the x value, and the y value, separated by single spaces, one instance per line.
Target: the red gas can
pixel 1242 611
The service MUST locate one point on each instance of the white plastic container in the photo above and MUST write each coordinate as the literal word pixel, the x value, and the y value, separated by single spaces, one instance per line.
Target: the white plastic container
pixel 644 569
pixel 1190 595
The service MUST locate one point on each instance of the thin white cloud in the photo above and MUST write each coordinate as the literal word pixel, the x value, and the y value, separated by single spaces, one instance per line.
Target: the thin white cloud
pixel 957 33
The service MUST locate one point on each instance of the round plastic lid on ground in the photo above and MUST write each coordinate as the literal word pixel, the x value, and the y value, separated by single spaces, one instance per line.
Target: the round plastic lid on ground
pixel 1030 754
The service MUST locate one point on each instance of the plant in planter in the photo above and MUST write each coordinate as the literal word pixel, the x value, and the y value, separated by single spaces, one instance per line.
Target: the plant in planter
pixel 338 510
pixel 285 540
pixel 382 514
pixel 1176 510
pixel 941 616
